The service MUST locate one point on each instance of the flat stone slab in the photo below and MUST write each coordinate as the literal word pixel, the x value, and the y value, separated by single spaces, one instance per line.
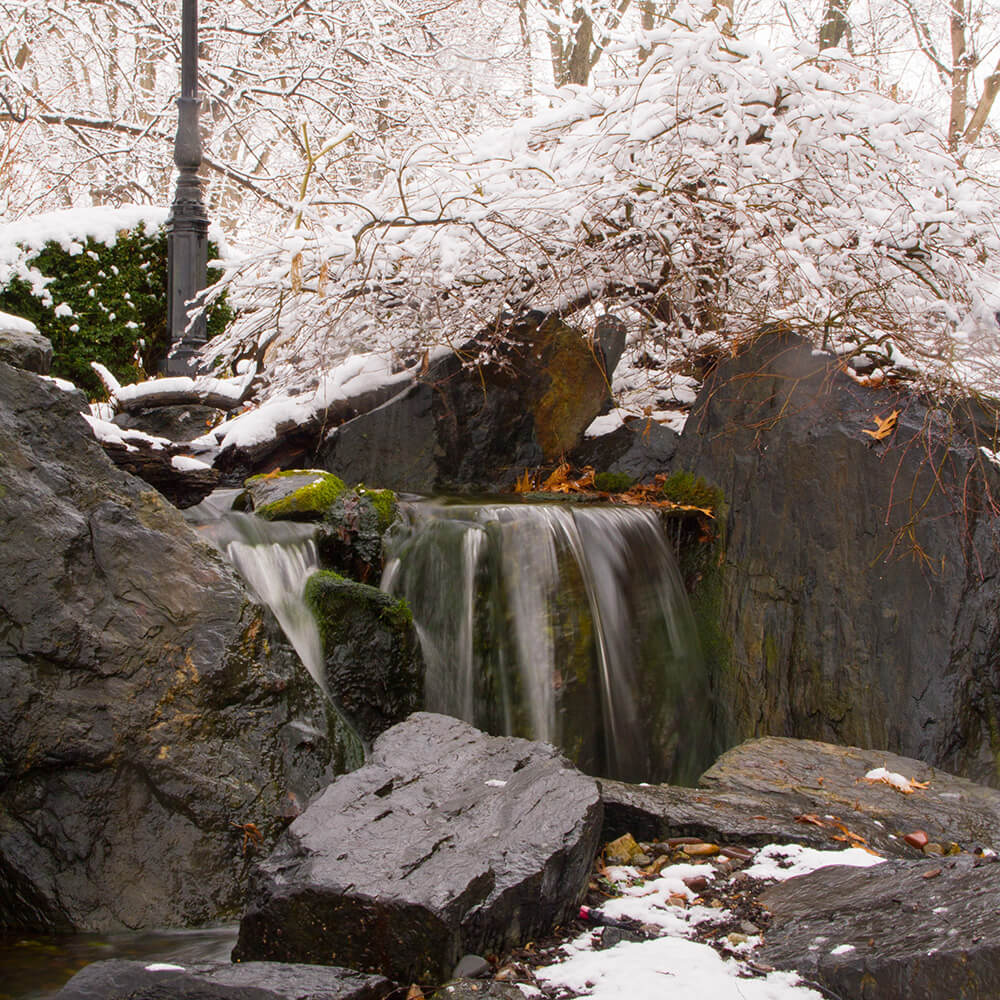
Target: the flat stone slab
pixel 895 931
pixel 783 790
pixel 448 841
pixel 115 979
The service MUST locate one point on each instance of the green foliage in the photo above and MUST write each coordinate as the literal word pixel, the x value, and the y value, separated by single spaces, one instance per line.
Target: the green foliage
pixel 104 303
pixel 686 488
pixel 613 482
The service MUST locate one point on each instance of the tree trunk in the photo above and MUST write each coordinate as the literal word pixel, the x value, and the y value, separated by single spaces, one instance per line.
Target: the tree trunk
pixel 960 66
pixel 834 25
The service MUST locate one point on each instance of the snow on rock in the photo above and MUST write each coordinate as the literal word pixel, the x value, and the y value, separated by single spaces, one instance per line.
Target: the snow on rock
pixel 16 324
pixel 184 463
pixel 109 433
pixel 784 861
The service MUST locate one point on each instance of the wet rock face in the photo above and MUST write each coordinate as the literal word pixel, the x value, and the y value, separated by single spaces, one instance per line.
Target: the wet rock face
pixel 22 346
pixel 374 667
pixel 468 428
pixel 778 790
pixel 858 585
pixel 218 981
pixel 148 711
pixel 446 842
pixel 894 931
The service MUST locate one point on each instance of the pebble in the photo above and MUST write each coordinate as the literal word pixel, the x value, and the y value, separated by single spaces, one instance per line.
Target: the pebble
pixel 917 839
pixel 934 850
pixel 736 853
pixel 696 883
pixel 699 850
pixel 471 967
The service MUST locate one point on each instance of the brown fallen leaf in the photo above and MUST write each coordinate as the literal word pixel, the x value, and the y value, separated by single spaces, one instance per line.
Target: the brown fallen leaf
pixel 933 873
pixel 884 426
pixel 414 993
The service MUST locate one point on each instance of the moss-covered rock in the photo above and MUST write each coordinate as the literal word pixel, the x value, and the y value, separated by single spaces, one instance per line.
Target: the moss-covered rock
pixel 374 667
pixel 350 538
pixel 293 495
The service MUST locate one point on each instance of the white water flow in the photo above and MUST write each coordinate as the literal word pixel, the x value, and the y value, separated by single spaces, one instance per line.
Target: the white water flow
pixel 562 623
pixel 275 559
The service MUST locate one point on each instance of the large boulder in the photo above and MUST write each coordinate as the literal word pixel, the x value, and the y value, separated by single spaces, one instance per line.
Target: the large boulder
pixel 446 842
pixel 116 978
pixel 894 931
pixel 155 729
pixel 460 427
pixel 802 791
pixel 858 584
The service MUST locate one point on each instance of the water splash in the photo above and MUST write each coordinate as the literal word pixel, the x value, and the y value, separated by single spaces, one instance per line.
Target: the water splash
pixel 566 624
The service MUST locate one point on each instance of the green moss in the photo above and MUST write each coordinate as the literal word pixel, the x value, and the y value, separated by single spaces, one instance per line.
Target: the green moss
pixel 689 490
pixel 312 499
pixel 103 303
pixel 613 482
pixel 385 503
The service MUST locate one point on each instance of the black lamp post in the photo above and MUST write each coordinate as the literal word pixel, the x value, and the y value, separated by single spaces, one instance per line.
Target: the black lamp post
pixel 187 225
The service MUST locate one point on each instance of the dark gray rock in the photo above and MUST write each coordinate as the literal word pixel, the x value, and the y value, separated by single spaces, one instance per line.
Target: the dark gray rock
pixel 894 931
pixel 115 979
pixel 472 989
pixel 467 428
pixel 447 841
pixel 176 423
pixel 147 709
pixel 374 667
pixel 24 348
pixel 639 448
pixel 801 791
pixel 857 593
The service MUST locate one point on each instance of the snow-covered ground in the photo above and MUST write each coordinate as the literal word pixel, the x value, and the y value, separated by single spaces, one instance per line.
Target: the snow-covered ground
pixel 673 964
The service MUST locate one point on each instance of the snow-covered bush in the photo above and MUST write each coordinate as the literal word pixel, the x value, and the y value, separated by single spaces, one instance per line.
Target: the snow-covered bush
pixel 94 282
pixel 723 187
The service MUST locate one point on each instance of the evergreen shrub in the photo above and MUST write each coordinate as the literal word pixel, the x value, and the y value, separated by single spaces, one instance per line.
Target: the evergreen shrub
pixel 99 301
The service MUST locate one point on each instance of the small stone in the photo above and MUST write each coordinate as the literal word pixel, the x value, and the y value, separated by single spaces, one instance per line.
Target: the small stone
pixel 735 938
pixel 610 936
pixel 696 883
pixel 736 853
pixel 641 859
pixel 917 839
pixel 471 967
pixel 622 851
pixel 674 842
pixel 699 850
pixel 935 850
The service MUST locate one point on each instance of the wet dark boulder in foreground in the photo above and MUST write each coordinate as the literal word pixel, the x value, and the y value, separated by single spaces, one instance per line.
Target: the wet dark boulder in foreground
pixel 155 729
pixel 448 841
pixel 894 931
pixel 114 979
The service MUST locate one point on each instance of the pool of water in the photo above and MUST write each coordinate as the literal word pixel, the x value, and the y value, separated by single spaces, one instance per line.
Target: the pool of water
pixel 37 967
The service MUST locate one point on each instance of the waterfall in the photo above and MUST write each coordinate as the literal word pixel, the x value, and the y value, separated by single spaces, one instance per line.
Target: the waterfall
pixel 562 623
pixel 275 559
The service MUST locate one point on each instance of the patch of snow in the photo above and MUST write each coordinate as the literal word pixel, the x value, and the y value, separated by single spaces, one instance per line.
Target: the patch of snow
pixel 184 463
pixel 842 949
pixel 782 861
pixel 60 383
pixel 893 778
pixel 605 424
pixel 16 324
pixel 109 433
pixel 496 783
pixel 667 966
pixel 993 456
pixel 164 967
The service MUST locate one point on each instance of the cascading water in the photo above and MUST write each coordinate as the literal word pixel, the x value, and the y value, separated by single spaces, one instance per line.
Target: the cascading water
pixel 275 559
pixel 563 623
